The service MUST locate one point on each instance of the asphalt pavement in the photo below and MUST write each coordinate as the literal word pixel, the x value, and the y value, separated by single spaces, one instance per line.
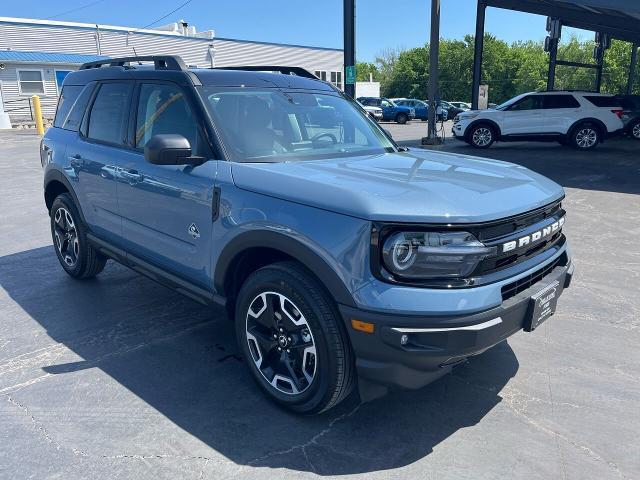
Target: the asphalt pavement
pixel 121 378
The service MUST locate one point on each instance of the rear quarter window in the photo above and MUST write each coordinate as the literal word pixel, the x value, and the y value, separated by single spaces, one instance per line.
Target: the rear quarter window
pixel 71 106
pixel 560 101
pixel 602 101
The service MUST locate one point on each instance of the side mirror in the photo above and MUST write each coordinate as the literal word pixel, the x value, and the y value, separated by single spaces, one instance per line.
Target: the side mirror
pixel 169 149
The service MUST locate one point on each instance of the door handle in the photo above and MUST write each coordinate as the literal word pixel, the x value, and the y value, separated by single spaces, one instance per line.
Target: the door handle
pixel 76 160
pixel 132 176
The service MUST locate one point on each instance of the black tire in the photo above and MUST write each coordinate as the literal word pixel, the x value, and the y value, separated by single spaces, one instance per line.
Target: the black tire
pixel 333 362
pixel 77 257
pixel 481 135
pixel 585 136
pixel 634 130
pixel 402 118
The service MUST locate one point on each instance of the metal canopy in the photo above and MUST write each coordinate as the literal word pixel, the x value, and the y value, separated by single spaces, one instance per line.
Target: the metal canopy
pixel 618 18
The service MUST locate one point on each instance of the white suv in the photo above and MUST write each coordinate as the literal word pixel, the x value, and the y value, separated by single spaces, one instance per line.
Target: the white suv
pixel 581 119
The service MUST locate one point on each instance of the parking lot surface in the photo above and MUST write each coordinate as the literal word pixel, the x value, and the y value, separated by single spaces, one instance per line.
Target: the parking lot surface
pixel 119 377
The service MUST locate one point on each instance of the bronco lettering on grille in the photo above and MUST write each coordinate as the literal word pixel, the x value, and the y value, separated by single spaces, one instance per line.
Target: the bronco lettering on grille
pixel 533 237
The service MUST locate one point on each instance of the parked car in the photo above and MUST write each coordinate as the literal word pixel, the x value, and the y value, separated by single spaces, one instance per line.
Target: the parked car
pixel 339 255
pixel 630 114
pixel 421 108
pixel 374 112
pixel 581 119
pixel 452 110
pixel 461 105
pixel 390 111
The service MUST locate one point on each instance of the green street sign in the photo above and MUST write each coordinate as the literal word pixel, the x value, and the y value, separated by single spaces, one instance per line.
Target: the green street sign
pixel 350 74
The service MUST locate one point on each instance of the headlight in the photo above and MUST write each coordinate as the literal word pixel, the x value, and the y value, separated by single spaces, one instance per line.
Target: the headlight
pixel 431 255
pixel 468 116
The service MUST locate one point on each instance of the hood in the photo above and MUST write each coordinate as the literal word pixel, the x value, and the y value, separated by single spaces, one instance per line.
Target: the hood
pixel 416 186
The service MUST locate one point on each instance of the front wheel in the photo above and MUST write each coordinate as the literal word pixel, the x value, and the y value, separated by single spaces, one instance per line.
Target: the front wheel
pixel 481 136
pixel 293 340
pixel 585 136
pixel 634 130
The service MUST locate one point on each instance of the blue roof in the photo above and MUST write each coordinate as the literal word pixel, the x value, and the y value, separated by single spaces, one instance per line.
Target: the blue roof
pixel 47 57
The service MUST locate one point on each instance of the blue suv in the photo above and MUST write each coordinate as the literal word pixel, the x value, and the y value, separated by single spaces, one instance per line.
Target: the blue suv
pixel 342 258
pixel 390 111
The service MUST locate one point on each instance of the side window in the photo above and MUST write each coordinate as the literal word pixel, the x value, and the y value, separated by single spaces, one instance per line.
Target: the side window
pixel 163 108
pixel 385 103
pixel 71 106
pixel 109 113
pixel 532 102
pixel 560 101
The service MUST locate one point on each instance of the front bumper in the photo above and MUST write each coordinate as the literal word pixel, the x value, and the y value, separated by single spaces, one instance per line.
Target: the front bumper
pixel 458 130
pixel 436 344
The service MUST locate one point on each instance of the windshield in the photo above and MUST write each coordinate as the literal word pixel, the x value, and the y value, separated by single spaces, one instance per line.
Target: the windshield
pixel 272 125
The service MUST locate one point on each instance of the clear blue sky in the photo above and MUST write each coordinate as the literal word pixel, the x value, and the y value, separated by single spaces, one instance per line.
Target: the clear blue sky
pixel 380 24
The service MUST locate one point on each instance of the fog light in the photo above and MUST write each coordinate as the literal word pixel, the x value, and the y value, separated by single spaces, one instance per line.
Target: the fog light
pixel 404 339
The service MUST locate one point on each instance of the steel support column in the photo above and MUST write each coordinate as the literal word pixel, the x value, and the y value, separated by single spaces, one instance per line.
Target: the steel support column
pixel 434 50
pixel 349 16
pixel 477 55
pixel 632 68
pixel 553 57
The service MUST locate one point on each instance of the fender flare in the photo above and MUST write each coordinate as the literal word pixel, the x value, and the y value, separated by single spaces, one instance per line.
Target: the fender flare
pixel 54 175
pixel 600 123
pixel 493 125
pixel 286 245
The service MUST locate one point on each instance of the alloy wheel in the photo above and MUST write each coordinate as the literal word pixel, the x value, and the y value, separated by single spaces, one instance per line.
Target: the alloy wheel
pixel 66 236
pixel 586 137
pixel 635 131
pixel 281 343
pixel 482 136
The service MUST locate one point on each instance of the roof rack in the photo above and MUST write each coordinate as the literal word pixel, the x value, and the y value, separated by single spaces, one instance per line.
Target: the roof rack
pixel 160 62
pixel 299 71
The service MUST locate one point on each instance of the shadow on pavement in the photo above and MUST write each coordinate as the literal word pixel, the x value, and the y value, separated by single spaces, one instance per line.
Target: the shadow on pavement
pixel 180 358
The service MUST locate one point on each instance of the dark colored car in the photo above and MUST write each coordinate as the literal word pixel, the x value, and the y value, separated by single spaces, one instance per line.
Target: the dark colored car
pixel 630 114
pixel 390 111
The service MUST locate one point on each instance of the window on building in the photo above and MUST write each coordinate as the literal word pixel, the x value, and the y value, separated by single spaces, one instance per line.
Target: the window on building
pixel 336 79
pixel 109 113
pixel 162 109
pixel 321 75
pixel 30 82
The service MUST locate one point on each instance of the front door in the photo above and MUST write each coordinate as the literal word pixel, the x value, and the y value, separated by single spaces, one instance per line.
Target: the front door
pixel 524 117
pixel 167 210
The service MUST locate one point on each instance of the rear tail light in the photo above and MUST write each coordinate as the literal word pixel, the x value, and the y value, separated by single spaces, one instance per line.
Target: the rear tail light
pixel 618 113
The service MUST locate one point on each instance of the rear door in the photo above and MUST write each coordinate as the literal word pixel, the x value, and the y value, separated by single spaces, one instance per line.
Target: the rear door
pixel 167 210
pixel 560 112
pixel 97 153
pixel 525 117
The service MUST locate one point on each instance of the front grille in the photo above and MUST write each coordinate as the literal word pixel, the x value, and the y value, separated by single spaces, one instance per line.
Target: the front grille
pixel 514 288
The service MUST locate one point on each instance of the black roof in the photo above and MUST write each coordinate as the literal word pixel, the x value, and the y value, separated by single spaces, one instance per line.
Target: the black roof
pixel 172 68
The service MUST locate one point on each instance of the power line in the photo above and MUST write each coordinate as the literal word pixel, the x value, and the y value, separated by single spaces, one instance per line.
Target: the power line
pixel 168 14
pixel 82 7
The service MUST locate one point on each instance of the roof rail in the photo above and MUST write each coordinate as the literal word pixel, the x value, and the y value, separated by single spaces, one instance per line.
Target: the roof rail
pixel 299 71
pixel 160 62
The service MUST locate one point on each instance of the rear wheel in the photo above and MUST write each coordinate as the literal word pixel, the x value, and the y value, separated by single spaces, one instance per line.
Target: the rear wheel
pixel 481 136
pixel 585 136
pixel 402 118
pixel 79 259
pixel 293 340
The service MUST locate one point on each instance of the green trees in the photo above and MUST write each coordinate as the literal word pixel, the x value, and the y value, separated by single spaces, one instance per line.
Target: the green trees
pixel 508 69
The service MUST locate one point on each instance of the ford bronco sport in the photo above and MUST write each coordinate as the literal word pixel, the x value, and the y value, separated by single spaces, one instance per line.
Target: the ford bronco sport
pixel 344 259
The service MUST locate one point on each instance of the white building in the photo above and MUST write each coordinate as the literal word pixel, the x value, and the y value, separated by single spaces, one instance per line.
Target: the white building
pixel 35 55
